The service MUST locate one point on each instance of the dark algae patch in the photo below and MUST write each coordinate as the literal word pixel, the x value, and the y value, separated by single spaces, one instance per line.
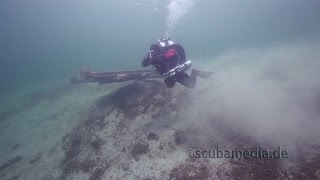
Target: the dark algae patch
pixel 153 136
pixel 16 146
pixel 139 149
pixel 36 158
pixel 10 162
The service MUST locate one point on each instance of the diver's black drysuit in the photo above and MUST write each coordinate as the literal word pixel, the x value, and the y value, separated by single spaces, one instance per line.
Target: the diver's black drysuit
pixel 166 58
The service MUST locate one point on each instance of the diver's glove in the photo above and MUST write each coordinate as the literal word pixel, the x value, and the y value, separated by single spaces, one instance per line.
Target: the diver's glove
pixel 148 58
pixel 150 54
pixel 154 57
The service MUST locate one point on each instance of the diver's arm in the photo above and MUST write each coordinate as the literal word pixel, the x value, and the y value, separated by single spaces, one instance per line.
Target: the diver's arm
pixel 151 58
pixel 146 60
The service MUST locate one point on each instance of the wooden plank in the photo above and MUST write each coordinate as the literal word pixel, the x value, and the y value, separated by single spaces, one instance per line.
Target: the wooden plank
pixel 113 76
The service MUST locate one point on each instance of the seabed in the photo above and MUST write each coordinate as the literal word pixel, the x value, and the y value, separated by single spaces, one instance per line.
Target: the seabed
pixel 132 130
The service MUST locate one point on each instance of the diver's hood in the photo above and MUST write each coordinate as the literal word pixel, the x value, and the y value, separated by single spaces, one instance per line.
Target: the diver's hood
pixel 164 42
pixel 160 44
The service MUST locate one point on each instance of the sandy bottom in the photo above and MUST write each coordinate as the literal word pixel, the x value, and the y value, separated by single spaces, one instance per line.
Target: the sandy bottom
pixel 33 127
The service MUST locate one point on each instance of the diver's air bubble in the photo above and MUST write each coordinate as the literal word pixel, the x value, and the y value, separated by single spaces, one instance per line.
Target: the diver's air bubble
pixel 177 9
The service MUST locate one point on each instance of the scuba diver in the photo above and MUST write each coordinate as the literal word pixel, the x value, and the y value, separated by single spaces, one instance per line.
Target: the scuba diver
pixel 170 61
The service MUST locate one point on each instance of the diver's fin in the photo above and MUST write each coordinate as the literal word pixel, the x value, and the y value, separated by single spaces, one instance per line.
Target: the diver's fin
pixel 202 74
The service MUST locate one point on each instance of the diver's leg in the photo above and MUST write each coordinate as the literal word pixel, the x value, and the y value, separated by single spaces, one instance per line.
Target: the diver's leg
pixel 186 80
pixel 202 74
pixel 170 82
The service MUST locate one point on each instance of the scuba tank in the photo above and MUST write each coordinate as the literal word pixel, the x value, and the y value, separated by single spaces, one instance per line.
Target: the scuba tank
pixel 180 68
